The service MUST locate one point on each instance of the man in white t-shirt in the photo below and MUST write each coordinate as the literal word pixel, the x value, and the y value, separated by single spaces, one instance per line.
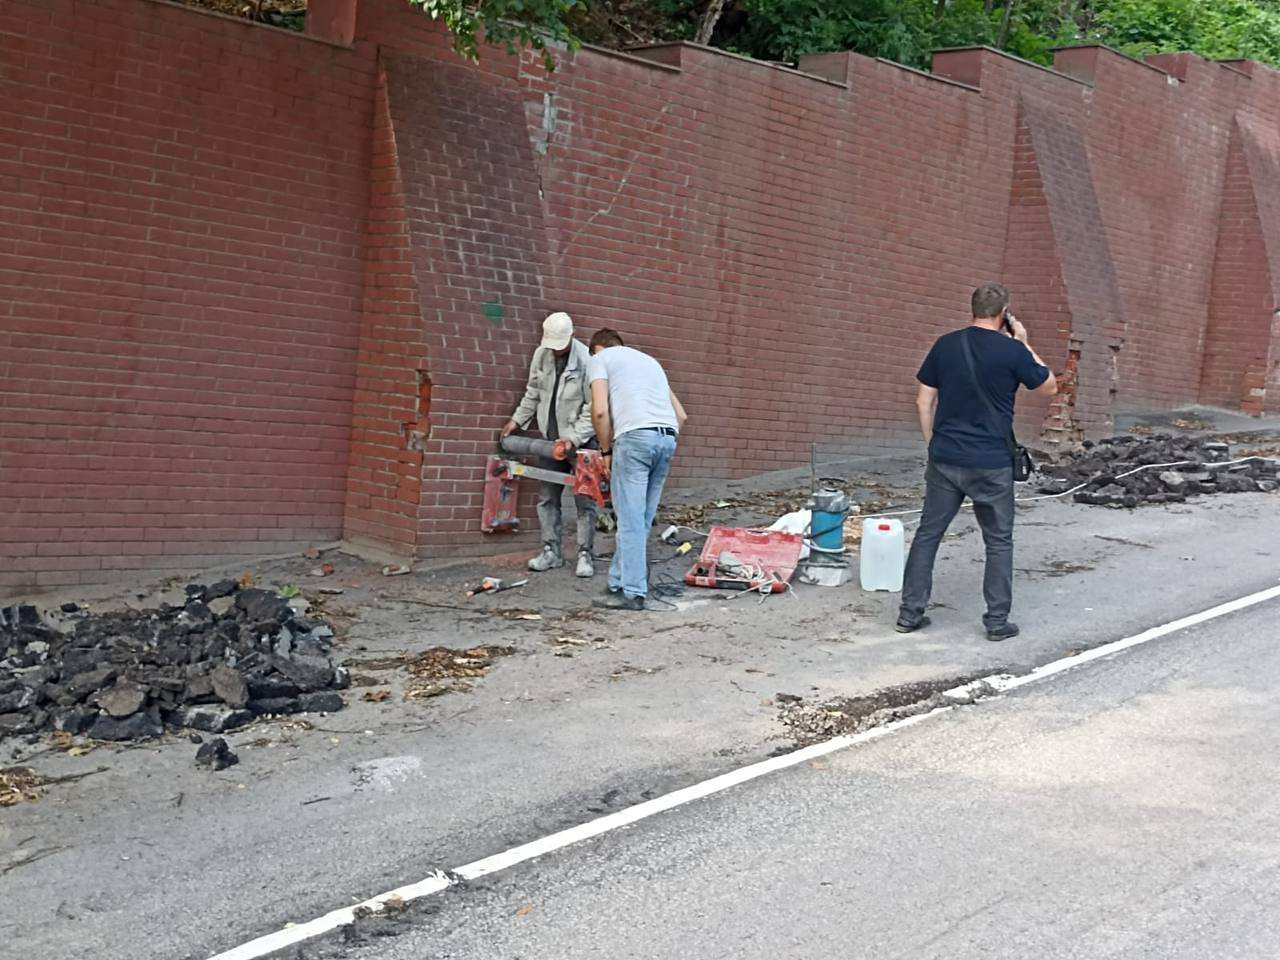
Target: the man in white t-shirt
pixel 637 419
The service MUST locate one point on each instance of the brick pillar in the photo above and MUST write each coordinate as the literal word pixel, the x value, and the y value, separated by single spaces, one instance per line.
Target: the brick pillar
pixel 1034 277
pixel 391 408
pixel 1237 340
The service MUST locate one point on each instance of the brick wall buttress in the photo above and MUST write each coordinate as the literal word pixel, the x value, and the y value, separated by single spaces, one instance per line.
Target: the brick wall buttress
pixel 1033 273
pixel 1242 299
pixel 1085 263
pixel 391 417
pixel 471 196
pixel 1261 139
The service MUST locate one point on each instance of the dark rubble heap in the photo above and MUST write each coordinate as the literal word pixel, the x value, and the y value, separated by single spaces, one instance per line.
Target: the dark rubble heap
pixel 229 655
pixel 1099 466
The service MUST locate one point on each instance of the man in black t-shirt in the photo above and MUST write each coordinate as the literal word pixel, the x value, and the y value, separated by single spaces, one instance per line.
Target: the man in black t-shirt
pixel 969 450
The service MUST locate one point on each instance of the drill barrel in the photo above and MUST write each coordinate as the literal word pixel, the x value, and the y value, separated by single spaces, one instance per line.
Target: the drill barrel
pixel 535 447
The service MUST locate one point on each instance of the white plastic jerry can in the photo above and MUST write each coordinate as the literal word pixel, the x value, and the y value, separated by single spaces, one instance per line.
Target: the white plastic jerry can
pixel 884 554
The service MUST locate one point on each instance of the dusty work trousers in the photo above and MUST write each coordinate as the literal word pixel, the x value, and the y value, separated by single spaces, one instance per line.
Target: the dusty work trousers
pixel 946 487
pixel 550 516
pixel 641 460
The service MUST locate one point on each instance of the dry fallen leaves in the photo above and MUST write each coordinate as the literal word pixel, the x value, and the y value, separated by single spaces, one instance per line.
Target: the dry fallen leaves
pixel 437 664
pixel 19 784
pixel 376 696
pixel 525 910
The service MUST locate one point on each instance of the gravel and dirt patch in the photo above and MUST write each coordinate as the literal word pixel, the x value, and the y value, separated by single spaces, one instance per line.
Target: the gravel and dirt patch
pixel 810 721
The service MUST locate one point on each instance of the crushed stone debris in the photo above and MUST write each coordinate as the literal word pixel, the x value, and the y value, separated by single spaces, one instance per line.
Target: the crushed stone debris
pixel 810 721
pixel 1100 466
pixel 228 655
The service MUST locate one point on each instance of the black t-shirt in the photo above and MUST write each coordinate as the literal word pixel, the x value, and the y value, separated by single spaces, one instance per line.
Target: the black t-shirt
pixel 965 434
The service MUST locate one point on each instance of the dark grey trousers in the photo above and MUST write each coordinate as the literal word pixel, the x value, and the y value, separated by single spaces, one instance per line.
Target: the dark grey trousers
pixel 550 519
pixel 945 490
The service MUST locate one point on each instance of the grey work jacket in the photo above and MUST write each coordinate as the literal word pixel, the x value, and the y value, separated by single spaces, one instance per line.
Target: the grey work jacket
pixel 573 402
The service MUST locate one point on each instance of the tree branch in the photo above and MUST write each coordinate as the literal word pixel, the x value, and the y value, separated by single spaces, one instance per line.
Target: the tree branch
pixel 707 25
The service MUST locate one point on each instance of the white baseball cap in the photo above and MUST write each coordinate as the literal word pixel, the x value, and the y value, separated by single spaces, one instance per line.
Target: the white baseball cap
pixel 557 331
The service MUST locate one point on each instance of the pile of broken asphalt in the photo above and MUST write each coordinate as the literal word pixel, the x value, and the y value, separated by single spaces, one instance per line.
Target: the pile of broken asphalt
pixel 1111 472
pixel 227 656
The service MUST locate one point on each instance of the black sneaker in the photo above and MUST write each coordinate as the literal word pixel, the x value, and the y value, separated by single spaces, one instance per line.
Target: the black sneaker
pixel 1006 631
pixel 904 626
pixel 620 601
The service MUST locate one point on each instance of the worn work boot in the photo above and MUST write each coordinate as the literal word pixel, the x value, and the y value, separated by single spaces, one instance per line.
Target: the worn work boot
pixel 549 559
pixel 906 626
pixel 585 567
pixel 1006 631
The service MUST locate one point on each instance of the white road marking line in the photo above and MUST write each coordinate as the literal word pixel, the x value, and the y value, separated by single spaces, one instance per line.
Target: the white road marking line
pixel 1006 682
pixel 435 883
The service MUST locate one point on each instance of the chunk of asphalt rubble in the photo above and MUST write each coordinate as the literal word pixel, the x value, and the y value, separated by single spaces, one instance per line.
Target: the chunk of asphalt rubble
pixel 214 717
pixel 140 726
pixel 229 686
pixel 126 674
pixel 216 755
pixel 218 590
pixel 123 700
pixel 90 681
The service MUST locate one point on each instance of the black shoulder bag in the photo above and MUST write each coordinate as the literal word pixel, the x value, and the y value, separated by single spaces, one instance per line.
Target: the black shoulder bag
pixel 1023 465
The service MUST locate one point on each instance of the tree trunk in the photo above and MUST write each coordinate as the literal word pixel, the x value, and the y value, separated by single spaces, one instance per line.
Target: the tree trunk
pixel 988 6
pixel 939 11
pixel 707 25
pixel 1004 25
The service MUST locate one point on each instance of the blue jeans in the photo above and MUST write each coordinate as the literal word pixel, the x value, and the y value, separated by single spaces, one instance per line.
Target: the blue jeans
pixel 641 460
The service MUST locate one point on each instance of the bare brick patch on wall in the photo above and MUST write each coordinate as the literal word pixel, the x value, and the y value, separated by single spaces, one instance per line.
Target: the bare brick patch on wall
pixel 259 290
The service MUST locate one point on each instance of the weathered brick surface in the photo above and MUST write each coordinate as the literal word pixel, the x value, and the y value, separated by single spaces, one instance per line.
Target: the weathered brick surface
pixel 1238 338
pixel 181 197
pixel 258 290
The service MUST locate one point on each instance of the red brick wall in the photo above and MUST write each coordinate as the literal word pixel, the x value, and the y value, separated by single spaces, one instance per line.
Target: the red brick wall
pixel 181 197
pixel 258 290
pixel 1238 337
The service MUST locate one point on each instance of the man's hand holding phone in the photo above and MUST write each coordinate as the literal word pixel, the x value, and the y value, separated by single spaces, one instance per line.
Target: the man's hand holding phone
pixel 1014 328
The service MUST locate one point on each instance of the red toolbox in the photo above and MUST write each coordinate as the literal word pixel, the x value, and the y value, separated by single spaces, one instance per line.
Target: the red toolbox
pixel 771 558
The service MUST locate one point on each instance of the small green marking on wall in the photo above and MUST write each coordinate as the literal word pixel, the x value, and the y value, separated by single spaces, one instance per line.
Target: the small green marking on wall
pixel 493 313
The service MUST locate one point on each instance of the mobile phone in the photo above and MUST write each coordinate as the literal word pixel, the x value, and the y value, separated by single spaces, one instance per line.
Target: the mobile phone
pixel 1007 321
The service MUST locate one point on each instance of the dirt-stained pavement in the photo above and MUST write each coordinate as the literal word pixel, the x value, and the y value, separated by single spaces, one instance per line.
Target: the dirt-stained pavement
pixel 586 712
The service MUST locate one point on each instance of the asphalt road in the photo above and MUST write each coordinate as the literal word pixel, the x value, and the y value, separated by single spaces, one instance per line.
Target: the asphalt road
pixel 1127 808
pixel 155 860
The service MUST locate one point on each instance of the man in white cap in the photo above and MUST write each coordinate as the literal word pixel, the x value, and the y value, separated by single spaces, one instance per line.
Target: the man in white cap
pixel 558 395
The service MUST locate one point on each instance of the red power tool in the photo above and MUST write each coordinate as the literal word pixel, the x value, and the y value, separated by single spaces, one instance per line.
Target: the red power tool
pixel 502 476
